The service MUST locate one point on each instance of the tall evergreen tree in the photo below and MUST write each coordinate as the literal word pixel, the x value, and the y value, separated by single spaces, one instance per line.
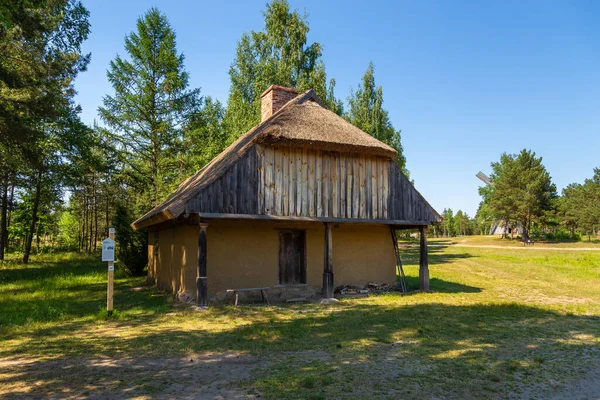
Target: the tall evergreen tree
pixel 204 137
pixel 150 105
pixel 41 47
pixel 579 206
pixel 365 110
pixel 278 55
pixel 448 223
pixel 522 189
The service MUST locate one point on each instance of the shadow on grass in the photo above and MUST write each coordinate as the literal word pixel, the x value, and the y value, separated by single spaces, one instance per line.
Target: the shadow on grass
pixel 441 286
pixel 485 344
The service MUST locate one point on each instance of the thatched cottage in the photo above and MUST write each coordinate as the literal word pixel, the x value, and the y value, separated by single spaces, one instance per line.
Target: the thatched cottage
pixel 303 200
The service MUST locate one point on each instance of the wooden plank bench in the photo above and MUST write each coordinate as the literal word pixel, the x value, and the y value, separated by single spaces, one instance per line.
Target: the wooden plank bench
pixel 262 293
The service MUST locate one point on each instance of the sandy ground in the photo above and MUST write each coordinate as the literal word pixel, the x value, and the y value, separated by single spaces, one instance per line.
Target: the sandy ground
pixel 204 376
pixel 229 376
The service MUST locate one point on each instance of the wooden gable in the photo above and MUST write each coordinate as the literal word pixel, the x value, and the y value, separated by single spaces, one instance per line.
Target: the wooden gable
pixel 300 182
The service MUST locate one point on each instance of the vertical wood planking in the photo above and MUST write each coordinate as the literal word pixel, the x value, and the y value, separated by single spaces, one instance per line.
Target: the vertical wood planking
pixel 285 177
pixel 260 200
pixel 384 182
pixel 298 181
pixel 269 153
pixel 398 197
pixel 402 196
pixel 409 192
pixel 392 188
pixel 335 162
pixel 332 183
pixel 226 193
pixel 319 176
pixel 278 191
pixel 363 189
pixel 304 183
pixel 292 187
pixel 342 179
pixel 233 190
pixel 253 190
pixel 349 185
pixel 355 186
pixel 241 184
pixel 338 166
pixel 326 184
pixel 220 194
pixel 370 182
pixel 310 184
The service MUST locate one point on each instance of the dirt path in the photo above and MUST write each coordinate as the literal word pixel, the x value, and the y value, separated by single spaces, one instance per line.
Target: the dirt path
pixel 202 376
pixel 486 246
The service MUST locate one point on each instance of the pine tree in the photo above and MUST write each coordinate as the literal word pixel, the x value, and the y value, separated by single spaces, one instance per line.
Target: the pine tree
pixel 40 43
pixel 278 55
pixel 204 137
pixel 150 105
pixel 365 110
pixel 522 189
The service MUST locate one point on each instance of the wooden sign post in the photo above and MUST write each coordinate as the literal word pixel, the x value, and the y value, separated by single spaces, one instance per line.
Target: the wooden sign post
pixel 108 254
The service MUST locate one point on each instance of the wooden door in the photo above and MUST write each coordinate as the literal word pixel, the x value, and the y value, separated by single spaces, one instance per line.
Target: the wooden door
pixel 292 259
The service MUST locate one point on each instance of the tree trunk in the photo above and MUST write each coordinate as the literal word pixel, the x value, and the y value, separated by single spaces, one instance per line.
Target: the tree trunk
pixel 106 219
pixel 91 218
pixel 4 216
pixel 95 213
pixel 85 215
pixel 36 203
pixel 525 231
pixel 82 226
pixel 37 239
pixel 10 206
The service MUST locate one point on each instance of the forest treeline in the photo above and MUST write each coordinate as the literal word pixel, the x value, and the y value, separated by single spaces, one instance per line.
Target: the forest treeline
pixel 63 183
pixel 522 198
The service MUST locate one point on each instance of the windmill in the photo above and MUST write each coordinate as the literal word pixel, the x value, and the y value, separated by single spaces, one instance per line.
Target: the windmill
pixel 498 227
pixel 486 179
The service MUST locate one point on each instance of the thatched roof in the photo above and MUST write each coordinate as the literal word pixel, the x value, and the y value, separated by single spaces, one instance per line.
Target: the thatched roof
pixel 304 121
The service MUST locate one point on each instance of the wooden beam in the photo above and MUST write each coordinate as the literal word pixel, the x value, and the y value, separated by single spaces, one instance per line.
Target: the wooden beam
pixel 201 278
pixel 423 261
pixel 328 264
pixel 401 224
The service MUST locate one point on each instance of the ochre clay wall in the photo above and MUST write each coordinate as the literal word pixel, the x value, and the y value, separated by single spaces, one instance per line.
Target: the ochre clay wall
pixel 177 249
pixel 244 254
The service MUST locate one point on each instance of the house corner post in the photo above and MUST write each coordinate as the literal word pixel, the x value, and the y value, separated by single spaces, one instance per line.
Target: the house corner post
pixel 201 278
pixel 328 264
pixel 423 261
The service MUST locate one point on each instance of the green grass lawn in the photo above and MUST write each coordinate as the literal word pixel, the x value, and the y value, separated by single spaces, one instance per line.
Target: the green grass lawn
pixel 498 323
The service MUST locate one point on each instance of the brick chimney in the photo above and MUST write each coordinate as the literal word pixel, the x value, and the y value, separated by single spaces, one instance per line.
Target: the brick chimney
pixel 274 98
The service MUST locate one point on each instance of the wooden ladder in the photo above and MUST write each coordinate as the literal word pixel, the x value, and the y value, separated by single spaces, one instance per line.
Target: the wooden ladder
pixel 399 269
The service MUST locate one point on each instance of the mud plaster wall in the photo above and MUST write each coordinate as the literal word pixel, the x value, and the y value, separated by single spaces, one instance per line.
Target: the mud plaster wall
pixel 244 254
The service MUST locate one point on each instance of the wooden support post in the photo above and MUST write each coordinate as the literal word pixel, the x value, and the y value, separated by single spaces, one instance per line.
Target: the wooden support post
pixel 111 279
pixel 201 278
pixel 423 261
pixel 328 264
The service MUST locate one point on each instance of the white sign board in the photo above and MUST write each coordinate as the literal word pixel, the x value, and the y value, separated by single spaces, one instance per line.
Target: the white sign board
pixel 108 250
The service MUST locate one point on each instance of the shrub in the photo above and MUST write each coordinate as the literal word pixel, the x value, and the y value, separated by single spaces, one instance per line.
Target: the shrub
pixel 132 246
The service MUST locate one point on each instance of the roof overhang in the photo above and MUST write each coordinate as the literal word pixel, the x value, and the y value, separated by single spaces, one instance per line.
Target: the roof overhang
pixel 276 218
pixel 144 222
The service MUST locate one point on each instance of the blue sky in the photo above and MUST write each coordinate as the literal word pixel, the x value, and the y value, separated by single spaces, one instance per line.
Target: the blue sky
pixel 464 80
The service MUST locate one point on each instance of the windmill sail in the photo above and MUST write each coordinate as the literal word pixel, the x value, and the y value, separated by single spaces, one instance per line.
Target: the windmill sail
pixel 484 178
